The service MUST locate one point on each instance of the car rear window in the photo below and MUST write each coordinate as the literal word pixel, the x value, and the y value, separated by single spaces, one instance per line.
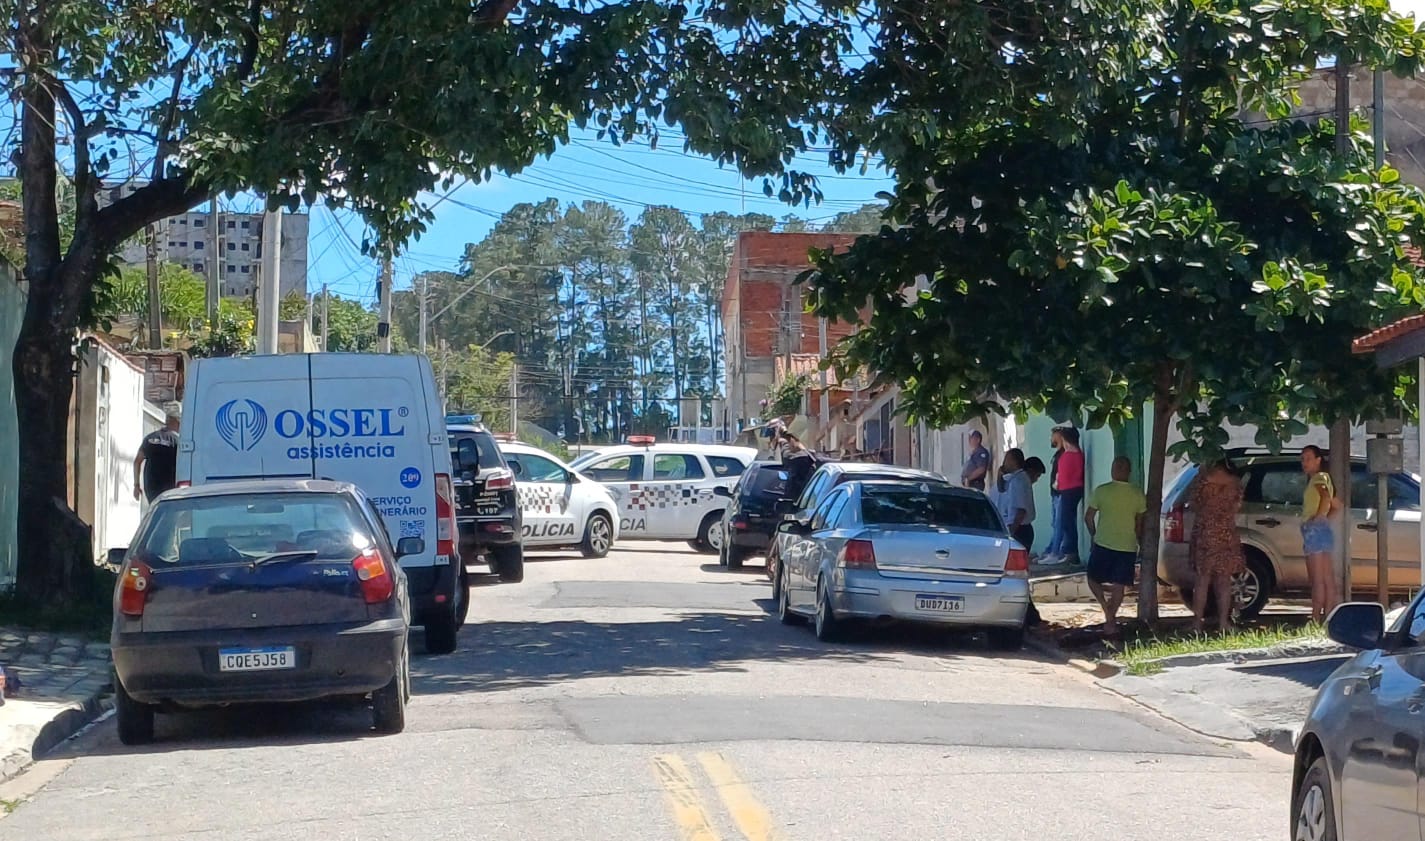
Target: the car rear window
pixel 229 529
pixel 468 448
pixel 914 507
pixel 768 480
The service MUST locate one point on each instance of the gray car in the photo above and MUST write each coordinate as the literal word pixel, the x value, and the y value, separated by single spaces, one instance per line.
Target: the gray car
pixel 280 590
pixel 1358 759
pixel 907 551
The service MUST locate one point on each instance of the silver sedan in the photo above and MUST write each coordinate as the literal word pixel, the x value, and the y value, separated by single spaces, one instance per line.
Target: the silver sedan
pixel 909 551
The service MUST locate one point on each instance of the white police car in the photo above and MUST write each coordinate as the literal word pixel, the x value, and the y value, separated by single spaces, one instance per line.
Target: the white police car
pixel 665 491
pixel 560 507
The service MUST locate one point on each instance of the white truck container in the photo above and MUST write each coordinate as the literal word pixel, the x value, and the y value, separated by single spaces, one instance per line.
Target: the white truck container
pixel 370 419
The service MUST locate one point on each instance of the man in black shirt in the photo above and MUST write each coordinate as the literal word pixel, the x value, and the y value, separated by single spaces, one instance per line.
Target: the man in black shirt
pixel 156 465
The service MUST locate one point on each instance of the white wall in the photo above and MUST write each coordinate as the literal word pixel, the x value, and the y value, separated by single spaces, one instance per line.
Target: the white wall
pixel 109 427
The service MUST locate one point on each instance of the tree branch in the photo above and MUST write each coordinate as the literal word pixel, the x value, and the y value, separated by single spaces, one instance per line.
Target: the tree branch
pixel 86 202
pixel 38 169
pixel 248 59
pixel 171 115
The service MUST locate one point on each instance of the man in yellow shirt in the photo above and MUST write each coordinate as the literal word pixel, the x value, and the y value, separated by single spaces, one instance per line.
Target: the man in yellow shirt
pixel 1115 521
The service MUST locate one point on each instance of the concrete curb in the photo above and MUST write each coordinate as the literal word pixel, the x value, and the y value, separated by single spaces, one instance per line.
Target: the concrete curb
pixel 1285 651
pixel 1098 668
pixel 65 723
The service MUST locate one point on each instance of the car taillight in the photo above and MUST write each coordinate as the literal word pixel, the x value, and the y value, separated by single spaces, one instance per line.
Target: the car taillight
pixel 444 516
pixel 377 585
pixel 134 581
pixel 858 554
pixel 502 480
pixel 184 483
pixel 1173 530
pixel 1018 561
pixel 739 521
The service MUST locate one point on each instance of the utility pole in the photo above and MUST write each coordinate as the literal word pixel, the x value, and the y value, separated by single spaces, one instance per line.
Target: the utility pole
pixel 383 296
pixel 1378 116
pixel 515 399
pixel 825 422
pixel 269 283
pixel 424 294
pixel 214 293
pixel 326 317
pixel 1340 440
pixel 155 303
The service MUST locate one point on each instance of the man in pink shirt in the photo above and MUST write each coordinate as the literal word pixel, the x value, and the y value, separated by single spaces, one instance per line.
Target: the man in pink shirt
pixel 1068 495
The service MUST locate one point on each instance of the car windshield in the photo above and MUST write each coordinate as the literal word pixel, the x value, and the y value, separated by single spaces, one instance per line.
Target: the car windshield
pixel 469 449
pixel 244 527
pixel 926 507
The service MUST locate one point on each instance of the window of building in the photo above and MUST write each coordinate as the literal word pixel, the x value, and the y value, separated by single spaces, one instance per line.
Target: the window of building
pixel 232 246
pixel 200 223
pixel 244 269
pixel 246 224
pixel 197 245
pixel 231 224
pixel 232 269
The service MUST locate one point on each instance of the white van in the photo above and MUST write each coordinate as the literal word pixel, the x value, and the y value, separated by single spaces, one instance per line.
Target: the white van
pixel 370 419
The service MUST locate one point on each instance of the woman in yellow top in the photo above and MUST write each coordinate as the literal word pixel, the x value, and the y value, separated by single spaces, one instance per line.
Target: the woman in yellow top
pixel 1317 503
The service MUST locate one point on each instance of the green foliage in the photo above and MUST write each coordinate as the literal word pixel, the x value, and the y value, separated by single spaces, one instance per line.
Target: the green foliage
pixel 352 327
pixel 625 313
pixel 292 307
pixel 181 295
pixel 786 397
pixel 477 381
pixel 234 336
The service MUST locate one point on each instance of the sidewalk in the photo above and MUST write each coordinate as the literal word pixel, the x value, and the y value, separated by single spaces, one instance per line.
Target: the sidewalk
pixel 63 683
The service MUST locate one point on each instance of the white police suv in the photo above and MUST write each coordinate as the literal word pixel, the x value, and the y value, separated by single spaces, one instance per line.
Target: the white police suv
pixel 665 491
pixel 559 507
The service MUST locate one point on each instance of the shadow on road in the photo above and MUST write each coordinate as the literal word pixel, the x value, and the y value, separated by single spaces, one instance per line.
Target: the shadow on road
pixel 497 656
pixel 1309 673
pixel 757 568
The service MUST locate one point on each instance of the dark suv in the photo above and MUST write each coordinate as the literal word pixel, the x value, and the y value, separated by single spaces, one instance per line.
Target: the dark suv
pixel 487 508
pixel 750 519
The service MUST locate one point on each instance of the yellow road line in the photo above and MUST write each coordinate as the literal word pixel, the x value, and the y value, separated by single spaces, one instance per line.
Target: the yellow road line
pixel 752 818
pixel 682 796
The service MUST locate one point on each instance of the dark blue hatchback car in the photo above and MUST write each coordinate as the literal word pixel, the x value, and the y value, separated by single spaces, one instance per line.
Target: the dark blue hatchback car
pixel 276 590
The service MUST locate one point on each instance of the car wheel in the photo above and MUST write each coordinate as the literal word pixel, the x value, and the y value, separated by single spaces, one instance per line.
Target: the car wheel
pixel 722 556
pixel 784 607
pixel 598 536
pixel 772 562
pixel 735 556
pixel 776 583
pixel 1253 587
pixel 441 630
pixel 710 534
pixel 509 563
pixel 1313 814
pixel 462 598
pixel 135 719
pixel 828 627
pixel 1006 639
pixel 388 704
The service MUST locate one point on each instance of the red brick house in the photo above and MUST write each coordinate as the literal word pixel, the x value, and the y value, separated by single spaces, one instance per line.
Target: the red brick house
pixel 768 330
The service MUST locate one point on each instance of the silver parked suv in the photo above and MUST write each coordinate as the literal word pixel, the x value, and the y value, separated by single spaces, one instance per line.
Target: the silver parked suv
pixel 1270 528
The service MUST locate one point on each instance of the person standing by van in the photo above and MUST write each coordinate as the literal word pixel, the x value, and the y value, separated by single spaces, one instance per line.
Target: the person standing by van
pixel 1317 505
pixel 156 465
pixel 1069 487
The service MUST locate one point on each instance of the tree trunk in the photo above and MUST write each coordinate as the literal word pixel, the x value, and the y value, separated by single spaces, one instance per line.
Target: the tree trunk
pixel 55 547
pixel 1164 407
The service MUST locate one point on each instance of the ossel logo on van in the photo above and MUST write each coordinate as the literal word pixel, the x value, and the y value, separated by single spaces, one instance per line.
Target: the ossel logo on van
pixel 243 423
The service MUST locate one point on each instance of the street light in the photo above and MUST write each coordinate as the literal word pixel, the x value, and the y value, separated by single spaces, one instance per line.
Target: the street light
pixel 471 288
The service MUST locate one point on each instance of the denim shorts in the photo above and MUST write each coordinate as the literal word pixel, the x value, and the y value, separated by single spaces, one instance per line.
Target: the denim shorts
pixel 1316 536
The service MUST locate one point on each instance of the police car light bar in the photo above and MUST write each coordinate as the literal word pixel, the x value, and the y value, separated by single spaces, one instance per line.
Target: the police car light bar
pixel 462 419
pixel 642 440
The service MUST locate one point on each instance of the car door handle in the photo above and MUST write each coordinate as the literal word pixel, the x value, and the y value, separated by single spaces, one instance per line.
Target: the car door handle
pixel 1271 522
pixel 1368 527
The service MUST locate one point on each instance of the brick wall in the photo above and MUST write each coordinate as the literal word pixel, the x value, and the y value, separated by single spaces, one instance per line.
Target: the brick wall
pixel 763 310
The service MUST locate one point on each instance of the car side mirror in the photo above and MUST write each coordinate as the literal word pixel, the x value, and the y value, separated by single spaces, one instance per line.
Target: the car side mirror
pixel 722 490
pixel 408 546
pixel 801 528
pixel 115 558
pixel 515 467
pixel 570 478
pixel 1357 625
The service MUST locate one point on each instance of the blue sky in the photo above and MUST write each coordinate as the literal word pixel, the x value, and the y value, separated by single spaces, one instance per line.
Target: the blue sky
pixel 629 177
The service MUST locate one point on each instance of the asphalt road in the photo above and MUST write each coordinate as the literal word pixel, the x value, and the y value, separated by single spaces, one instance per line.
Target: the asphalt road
pixel 651 695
